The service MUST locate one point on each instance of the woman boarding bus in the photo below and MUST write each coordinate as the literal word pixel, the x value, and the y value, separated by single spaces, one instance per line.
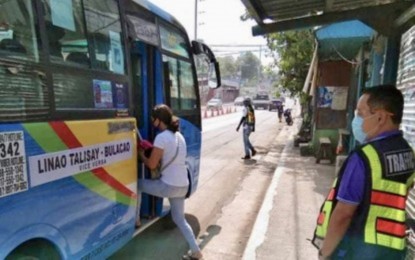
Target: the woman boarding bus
pixel 77 77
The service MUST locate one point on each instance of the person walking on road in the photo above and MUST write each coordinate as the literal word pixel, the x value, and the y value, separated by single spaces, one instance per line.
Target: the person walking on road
pixel 363 216
pixel 248 122
pixel 170 147
pixel 280 110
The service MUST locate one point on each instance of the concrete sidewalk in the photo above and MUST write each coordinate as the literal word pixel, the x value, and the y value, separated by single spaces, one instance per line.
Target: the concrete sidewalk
pixel 286 221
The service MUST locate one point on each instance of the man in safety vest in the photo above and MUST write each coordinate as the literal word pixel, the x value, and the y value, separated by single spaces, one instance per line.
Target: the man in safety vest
pixel 363 216
pixel 248 121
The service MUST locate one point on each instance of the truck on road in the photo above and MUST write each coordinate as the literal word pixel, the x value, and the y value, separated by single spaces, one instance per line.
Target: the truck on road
pixel 261 100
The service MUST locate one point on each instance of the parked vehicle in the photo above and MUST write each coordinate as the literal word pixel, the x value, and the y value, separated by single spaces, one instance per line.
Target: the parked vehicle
pixel 214 103
pixel 238 101
pixel 274 104
pixel 261 101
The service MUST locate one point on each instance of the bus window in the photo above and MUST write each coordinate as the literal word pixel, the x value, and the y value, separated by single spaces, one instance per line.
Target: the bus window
pixel 18 37
pixel 187 90
pixel 65 29
pixel 174 81
pixel 173 42
pixel 104 30
pixel 23 93
pixel 182 88
pixel 72 91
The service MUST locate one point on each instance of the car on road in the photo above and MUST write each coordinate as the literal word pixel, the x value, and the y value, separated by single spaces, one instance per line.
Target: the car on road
pixel 239 101
pixel 214 103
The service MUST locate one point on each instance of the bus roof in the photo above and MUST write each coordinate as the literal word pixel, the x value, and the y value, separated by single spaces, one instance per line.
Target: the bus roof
pixel 159 12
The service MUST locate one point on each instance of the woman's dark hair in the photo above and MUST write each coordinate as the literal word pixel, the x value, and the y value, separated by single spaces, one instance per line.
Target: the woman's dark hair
pixel 163 113
pixel 387 97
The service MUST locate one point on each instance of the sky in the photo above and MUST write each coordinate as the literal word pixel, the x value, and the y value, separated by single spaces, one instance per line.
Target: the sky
pixel 219 23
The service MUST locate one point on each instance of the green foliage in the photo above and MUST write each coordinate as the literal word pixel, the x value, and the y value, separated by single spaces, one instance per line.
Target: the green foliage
pixel 228 66
pixel 292 52
pixel 247 66
pixel 250 66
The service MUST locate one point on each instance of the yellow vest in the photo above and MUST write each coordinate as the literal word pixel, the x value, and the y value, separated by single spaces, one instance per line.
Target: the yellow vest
pixel 383 207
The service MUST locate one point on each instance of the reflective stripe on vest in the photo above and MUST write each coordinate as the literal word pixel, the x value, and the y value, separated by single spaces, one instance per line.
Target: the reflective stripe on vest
pixel 385 223
pixel 325 213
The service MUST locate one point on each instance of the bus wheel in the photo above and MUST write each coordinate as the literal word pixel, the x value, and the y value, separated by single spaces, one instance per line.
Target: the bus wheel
pixel 35 249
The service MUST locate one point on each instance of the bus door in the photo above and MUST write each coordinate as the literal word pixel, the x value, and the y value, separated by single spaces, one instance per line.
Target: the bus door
pixel 146 64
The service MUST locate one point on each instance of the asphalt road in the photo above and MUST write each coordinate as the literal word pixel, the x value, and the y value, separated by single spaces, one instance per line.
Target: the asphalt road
pixel 230 192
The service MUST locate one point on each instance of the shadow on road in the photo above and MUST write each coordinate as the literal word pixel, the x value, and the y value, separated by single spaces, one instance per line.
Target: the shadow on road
pixel 211 231
pixel 163 240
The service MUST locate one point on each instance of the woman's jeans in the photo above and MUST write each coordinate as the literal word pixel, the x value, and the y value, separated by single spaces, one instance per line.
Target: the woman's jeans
pixel 247 144
pixel 176 196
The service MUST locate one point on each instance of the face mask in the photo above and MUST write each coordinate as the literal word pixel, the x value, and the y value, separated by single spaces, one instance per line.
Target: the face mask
pixel 357 128
pixel 155 126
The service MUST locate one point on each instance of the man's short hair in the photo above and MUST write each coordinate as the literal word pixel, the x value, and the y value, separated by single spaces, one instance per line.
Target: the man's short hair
pixel 386 97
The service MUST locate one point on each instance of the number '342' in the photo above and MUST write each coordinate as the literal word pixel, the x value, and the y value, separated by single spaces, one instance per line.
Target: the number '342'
pixel 10 149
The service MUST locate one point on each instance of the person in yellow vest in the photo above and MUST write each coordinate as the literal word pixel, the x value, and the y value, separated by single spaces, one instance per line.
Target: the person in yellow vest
pixel 363 216
pixel 248 122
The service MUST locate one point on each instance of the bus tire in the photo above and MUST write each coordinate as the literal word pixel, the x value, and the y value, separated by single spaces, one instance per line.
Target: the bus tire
pixel 41 249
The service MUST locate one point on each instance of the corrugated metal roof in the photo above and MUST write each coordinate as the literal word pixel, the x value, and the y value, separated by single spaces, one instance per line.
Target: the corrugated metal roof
pixel 287 9
pixel 323 11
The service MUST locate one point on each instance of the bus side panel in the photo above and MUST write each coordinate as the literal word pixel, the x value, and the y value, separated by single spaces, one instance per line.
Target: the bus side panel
pixel 81 184
pixel 193 137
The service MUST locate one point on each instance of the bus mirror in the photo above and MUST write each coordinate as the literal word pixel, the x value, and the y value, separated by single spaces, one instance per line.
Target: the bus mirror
pixel 214 80
pixel 197 47
pixel 202 49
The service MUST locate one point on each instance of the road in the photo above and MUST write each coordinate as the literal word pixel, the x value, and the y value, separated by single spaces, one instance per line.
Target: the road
pixel 230 192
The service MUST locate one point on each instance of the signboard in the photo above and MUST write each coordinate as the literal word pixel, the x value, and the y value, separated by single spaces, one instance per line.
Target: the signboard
pixel 332 105
pixel 13 175
pixel 145 30
pixel 49 167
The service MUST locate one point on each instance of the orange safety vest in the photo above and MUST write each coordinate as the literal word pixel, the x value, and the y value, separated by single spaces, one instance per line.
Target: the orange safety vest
pixel 380 217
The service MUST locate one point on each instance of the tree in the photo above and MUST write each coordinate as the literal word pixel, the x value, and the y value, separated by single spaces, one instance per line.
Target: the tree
pixel 228 67
pixel 292 52
pixel 249 65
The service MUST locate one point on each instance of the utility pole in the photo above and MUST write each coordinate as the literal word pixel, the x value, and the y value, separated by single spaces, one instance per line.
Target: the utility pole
pixel 196 19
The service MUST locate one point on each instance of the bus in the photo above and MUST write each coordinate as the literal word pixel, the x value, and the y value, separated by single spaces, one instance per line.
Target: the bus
pixel 78 79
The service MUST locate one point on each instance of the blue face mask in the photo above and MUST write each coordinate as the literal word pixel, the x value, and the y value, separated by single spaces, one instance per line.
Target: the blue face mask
pixel 357 128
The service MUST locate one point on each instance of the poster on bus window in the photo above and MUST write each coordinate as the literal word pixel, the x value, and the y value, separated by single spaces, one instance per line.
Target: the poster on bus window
pixel 103 94
pixel 120 95
pixel 62 14
pixel 117 56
